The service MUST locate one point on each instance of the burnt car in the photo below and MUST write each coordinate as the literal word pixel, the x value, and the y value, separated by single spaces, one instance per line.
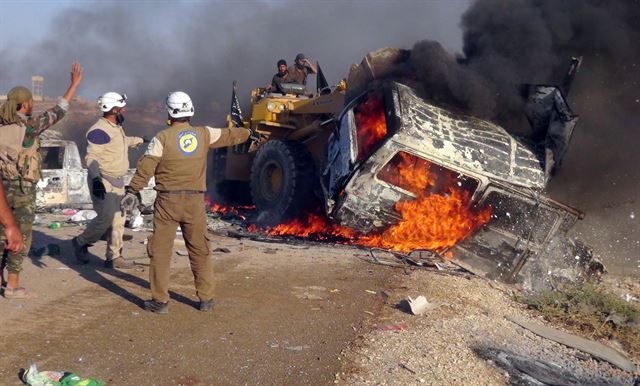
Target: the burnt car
pixel 498 175
pixel 64 179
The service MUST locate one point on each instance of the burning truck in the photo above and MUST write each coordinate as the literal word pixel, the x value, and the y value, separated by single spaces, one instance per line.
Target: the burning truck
pixel 392 170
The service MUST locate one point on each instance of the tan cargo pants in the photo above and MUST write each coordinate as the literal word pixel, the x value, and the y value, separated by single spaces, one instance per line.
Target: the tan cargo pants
pixel 109 221
pixel 188 211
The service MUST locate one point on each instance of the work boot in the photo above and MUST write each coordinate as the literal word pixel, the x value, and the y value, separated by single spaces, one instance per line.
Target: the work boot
pixel 119 263
pixel 156 307
pixel 207 305
pixel 80 251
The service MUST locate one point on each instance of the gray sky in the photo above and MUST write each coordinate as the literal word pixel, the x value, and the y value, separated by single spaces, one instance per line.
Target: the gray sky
pixel 120 43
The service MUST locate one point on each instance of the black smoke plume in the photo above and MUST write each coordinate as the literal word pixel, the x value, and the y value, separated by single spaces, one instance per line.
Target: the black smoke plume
pixel 509 43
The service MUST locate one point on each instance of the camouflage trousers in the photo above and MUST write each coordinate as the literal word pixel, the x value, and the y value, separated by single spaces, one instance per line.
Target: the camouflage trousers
pixel 22 200
pixel 109 222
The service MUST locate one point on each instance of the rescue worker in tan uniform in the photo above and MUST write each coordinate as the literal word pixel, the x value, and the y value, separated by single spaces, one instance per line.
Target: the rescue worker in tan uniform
pixel 107 162
pixel 177 157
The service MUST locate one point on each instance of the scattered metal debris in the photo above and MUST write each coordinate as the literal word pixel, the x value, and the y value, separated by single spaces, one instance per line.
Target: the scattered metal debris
pixel 595 349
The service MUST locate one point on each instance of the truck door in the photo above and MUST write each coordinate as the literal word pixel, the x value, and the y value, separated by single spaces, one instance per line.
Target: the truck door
pixel 52 187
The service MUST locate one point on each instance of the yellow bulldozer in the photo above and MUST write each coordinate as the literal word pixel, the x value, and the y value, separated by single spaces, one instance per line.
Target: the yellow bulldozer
pixel 283 166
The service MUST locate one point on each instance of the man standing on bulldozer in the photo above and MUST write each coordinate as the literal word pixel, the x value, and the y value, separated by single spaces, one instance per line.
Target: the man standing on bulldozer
pixel 107 163
pixel 282 76
pixel 177 157
pixel 300 69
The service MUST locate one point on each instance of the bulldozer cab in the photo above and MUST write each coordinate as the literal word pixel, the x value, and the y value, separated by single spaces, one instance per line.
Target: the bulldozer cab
pixel 282 170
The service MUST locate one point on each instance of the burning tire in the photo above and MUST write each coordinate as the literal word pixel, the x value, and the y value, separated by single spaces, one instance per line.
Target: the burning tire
pixel 282 180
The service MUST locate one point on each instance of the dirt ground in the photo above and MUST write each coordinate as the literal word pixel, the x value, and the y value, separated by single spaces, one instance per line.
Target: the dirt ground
pixel 285 314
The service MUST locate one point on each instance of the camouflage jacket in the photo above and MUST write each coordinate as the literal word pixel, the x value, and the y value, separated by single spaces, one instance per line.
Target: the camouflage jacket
pixel 29 157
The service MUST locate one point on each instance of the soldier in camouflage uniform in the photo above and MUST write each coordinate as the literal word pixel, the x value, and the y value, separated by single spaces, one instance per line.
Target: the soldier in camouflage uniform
pixel 12 234
pixel 20 127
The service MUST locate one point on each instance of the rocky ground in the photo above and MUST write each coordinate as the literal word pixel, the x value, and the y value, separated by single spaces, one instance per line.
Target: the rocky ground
pixel 286 314
pixel 466 340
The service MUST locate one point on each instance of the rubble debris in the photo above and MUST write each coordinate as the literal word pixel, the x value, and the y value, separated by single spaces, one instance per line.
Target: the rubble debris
pixel 83 216
pixel 524 369
pixel 33 377
pixel 417 306
pixel 595 349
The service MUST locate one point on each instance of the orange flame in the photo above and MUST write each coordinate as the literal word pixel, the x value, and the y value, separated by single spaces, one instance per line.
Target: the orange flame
pixel 313 225
pixel 371 125
pixel 439 217
pixel 234 210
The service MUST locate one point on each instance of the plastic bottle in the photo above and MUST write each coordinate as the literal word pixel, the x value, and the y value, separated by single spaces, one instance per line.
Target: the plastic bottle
pixel 55 225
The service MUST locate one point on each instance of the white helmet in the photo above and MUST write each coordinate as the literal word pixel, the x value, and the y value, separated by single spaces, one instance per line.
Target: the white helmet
pixel 179 105
pixel 111 100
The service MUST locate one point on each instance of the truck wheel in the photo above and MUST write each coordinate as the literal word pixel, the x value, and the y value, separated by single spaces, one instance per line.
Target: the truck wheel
pixel 282 180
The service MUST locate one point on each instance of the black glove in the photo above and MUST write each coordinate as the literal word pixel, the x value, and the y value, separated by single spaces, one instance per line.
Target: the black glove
pixel 146 139
pixel 98 188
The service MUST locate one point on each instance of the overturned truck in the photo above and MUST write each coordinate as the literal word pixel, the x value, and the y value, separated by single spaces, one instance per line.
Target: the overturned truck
pixel 388 146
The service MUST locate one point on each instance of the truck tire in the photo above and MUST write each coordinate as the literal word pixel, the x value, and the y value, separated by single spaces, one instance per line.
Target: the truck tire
pixel 282 180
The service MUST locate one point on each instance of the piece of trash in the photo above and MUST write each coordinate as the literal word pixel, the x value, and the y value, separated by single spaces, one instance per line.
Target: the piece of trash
pixel 181 253
pixel 596 349
pixel 334 290
pixel 418 306
pixel 55 225
pixel 63 268
pixel 137 222
pixel 33 377
pixel 412 371
pixel 223 250
pixel 37 220
pixel 393 327
pixel 370 292
pixel 69 212
pixel 83 216
pixel 369 312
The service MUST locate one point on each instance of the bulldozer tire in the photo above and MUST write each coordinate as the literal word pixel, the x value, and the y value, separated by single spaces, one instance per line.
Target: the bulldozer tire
pixel 282 180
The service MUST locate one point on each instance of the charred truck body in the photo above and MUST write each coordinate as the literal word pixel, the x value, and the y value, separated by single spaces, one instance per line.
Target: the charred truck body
pixel 388 147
